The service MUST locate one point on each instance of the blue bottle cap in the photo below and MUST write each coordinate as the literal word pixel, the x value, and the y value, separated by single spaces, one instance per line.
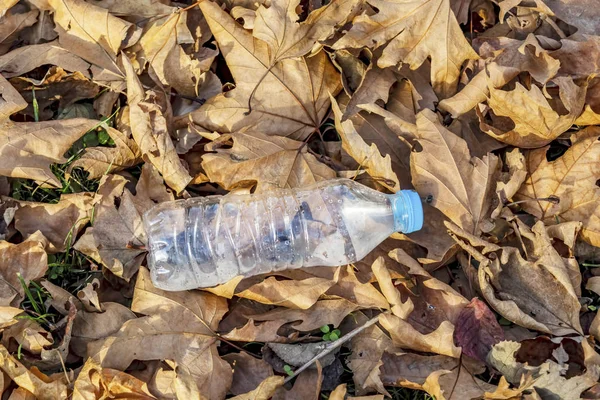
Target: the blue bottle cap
pixel 408 211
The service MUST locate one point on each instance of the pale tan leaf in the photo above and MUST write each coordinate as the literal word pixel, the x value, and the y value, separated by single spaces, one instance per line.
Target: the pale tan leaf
pixel 572 178
pixel 90 32
pixel 7 316
pixel 267 163
pixel 29 335
pixel 290 99
pixel 416 30
pixel 10 100
pixel 29 259
pixel 288 293
pixel 59 223
pixel 139 8
pixel 257 332
pixel 94 382
pixel 264 391
pixel 177 326
pixel 151 132
pixel 103 160
pixel 5 5
pixel 536 122
pixel 460 184
pixel 368 157
pixel 398 307
pixel 42 389
pixel 277 26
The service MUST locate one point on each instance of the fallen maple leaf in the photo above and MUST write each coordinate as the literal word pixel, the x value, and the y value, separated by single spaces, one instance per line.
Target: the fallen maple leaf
pixel 267 163
pixel 289 99
pixel 415 29
pixel 572 178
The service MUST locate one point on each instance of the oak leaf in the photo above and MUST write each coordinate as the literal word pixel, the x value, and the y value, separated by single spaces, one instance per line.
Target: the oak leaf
pixel 267 163
pixel 416 30
pixel 288 293
pixel 572 178
pixel 248 372
pixel 289 99
pixel 13 22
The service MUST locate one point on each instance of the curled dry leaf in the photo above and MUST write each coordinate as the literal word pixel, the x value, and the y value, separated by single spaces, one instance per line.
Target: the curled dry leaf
pixel 536 123
pixel 535 292
pixel 150 131
pixel 415 30
pixel 548 378
pixel 95 382
pixel 289 99
pixel 13 22
pixel 460 184
pixel 572 178
pixel 288 293
pixel 267 162
pixel 7 316
pixel 368 157
pixel 179 326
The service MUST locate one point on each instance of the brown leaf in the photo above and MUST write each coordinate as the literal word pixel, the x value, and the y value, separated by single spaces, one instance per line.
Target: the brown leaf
pixel 60 223
pixel 95 382
pixel 547 376
pixel 42 389
pixel 7 316
pixel 13 21
pixel 581 14
pixel 535 292
pixel 27 259
pixel 261 332
pixel 248 372
pixel 572 178
pixel 178 326
pixel 536 122
pixel 399 308
pixel 477 330
pixel 150 130
pixel 368 157
pixel 288 293
pixel 306 387
pixel 267 162
pixel 290 99
pixel 460 184
pixel 265 390
pixel 430 22
pixel 90 32
pixel 138 8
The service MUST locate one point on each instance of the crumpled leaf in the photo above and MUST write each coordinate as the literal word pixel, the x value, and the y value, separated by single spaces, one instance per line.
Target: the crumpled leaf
pixel 248 372
pixel 7 316
pixel 289 99
pixel 572 178
pixel 460 184
pixel 267 163
pixel 548 377
pixel 13 22
pixel 95 382
pixel 150 131
pixel 534 292
pixel 368 157
pixel 176 325
pixel 536 123
pixel 59 223
pixel 42 388
pixel 27 259
pixel 416 30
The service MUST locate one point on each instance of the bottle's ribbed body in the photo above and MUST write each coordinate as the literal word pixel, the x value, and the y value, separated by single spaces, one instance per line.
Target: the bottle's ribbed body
pixel 202 242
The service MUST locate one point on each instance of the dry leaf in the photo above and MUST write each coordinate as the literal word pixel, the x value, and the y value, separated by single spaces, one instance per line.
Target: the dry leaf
pixel 289 99
pixel 7 316
pixel 572 178
pixel 150 130
pixel 267 163
pixel 59 223
pixel 13 22
pixel 264 391
pixel 248 372
pixel 287 293
pixel 535 292
pixel 399 308
pixel 460 184
pixel 415 30
pixel 178 326
pixel 535 122
pixel 95 382
pixel 368 157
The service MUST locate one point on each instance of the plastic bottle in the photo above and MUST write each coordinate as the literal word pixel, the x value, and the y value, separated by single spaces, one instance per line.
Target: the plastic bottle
pixel 206 241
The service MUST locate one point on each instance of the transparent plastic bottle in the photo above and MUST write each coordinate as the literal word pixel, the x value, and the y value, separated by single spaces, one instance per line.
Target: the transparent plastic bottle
pixel 206 241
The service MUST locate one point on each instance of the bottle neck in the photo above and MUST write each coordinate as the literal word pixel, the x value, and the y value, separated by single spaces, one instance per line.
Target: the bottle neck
pixel 408 211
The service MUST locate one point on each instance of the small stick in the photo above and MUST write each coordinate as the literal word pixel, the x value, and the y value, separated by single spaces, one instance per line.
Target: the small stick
pixel 333 346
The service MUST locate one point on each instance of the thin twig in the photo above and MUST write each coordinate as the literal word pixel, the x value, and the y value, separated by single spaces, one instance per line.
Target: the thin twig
pixel 332 346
